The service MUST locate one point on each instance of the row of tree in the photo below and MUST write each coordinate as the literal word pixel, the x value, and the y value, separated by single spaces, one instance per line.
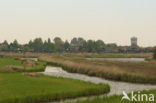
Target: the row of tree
pixel 75 45
pixel 58 45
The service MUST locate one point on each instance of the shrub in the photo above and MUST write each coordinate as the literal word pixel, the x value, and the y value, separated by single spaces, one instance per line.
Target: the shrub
pixel 154 55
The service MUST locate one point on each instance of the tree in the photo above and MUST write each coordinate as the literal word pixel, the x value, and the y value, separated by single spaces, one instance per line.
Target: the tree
pixel 4 46
pixel 77 44
pixel 80 41
pixel 48 47
pixel 100 45
pixel 26 48
pixel 74 45
pixel 37 45
pixel 112 47
pixel 14 46
pixel 91 46
pixel 74 42
pixel 58 43
pixel 66 46
pixel 154 55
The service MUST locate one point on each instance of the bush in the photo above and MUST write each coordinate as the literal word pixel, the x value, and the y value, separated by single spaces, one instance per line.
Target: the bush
pixel 154 55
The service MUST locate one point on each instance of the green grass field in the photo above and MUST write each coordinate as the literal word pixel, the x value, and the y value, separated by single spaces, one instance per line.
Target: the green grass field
pixel 10 61
pixel 15 87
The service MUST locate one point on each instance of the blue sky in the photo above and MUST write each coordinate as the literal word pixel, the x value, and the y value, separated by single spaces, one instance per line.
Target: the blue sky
pixel 110 20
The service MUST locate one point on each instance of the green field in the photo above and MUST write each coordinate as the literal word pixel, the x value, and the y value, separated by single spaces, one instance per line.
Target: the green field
pixel 9 61
pixel 16 87
pixel 40 65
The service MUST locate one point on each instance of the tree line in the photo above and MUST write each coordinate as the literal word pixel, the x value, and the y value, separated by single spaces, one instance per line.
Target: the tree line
pixel 58 45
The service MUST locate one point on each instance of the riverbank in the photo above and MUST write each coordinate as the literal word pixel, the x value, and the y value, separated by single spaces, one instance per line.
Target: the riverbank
pixel 8 64
pixel 113 70
pixel 116 88
pixel 25 86
pixel 17 88
pixel 136 72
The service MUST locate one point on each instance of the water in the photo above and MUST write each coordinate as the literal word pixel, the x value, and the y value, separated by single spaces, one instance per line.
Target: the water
pixel 117 87
pixel 120 59
pixel 34 59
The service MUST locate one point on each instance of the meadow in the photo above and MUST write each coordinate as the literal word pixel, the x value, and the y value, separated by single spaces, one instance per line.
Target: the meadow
pixel 16 65
pixel 17 88
pixel 20 84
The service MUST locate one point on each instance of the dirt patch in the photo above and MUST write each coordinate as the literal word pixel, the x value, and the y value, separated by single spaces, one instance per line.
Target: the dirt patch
pixel 12 67
pixel 29 63
pixel 31 74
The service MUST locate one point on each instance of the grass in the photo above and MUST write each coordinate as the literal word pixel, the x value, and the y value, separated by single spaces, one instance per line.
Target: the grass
pixel 9 61
pixel 12 62
pixel 143 72
pixel 117 99
pixel 16 88
pixel 109 55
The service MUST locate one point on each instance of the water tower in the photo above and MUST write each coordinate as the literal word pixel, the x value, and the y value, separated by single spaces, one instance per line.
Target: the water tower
pixel 134 41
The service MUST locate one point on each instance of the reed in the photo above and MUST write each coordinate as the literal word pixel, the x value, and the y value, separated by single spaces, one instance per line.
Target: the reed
pixel 143 72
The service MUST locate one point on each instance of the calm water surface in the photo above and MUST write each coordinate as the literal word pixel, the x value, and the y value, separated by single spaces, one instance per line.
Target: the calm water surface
pixel 120 59
pixel 117 87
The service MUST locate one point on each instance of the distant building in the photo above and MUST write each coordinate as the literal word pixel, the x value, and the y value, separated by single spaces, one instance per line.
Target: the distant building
pixel 134 42
pixel 134 45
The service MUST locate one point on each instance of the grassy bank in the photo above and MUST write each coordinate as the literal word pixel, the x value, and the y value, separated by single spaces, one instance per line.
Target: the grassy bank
pixel 117 99
pixel 28 87
pixel 143 72
pixel 114 70
pixel 14 65
pixel 109 55
pixel 17 88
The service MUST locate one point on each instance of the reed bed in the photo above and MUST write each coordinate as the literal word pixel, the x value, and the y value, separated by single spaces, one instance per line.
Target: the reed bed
pixel 120 71
pixel 143 72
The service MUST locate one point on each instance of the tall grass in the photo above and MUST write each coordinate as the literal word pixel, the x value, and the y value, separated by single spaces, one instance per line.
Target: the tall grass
pixel 143 72
pixel 121 71
pixel 109 55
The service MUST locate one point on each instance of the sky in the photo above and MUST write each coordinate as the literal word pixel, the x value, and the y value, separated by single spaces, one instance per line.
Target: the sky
pixel 113 21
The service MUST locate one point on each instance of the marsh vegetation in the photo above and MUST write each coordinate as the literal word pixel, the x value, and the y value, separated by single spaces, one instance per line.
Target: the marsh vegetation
pixel 19 83
pixel 137 72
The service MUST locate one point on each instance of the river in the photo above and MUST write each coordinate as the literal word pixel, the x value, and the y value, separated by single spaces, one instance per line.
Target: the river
pixel 117 87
